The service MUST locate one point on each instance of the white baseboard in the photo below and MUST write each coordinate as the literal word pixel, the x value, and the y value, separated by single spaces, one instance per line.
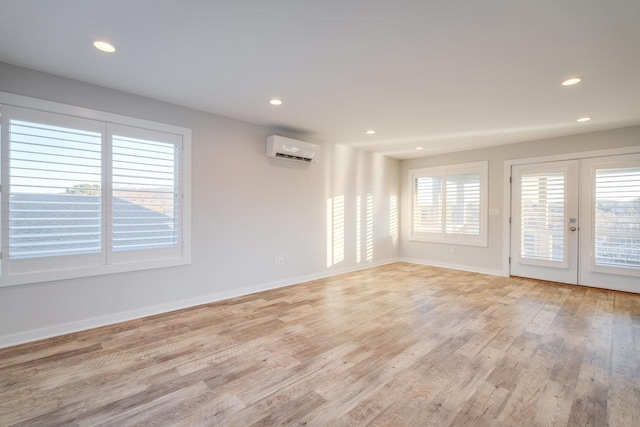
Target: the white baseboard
pixel 455 266
pixel 95 322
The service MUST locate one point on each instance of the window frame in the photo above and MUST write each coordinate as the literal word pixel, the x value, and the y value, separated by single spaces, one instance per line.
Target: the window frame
pixel 482 168
pixel 48 269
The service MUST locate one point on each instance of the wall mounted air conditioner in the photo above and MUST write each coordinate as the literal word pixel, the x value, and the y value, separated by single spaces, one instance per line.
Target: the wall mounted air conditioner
pixel 292 149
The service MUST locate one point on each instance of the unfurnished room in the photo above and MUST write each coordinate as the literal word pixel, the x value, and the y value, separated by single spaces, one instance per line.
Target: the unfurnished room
pixel 319 213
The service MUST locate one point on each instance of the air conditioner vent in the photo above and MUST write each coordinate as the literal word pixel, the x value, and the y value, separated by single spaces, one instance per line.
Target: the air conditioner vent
pixel 290 157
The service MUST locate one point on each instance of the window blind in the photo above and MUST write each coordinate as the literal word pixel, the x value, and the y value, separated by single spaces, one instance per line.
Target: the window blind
pixel 617 217
pixel 144 194
pixel 542 216
pixel 55 190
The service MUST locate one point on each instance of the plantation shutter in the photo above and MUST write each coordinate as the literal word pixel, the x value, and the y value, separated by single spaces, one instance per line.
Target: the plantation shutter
pixel 463 204
pixel 543 216
pixel 617 217
pixel 427 205
pixel 55 185
pixel 145 190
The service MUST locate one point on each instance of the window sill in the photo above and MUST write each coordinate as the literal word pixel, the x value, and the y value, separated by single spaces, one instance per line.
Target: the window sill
pixel 75 273
pixel 457 242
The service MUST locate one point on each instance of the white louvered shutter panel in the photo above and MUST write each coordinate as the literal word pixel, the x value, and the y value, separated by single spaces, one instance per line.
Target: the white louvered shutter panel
pixel 463 204
pixel 55 206
pixel 617 217
pixel 145 190
pixel 542 219
pixel 427 205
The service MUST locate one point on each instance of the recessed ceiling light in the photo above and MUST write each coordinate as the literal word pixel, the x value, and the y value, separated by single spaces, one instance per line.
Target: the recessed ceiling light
pixel 370 132
pixel 572 81
pixel 275 102
pixel 583 119
pixel 104 46
pixel 418 148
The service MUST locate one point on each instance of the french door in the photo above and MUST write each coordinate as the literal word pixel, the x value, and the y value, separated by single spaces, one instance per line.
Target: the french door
pixel 578 222
pixel 545 221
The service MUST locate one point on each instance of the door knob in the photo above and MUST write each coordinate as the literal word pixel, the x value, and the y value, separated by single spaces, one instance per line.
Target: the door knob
pixel 572 228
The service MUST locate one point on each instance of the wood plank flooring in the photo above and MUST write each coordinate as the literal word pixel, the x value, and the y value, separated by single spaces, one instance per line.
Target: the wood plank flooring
pixel 395 345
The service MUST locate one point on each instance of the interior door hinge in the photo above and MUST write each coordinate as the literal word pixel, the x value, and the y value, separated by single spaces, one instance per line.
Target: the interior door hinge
pixel 510 180
pixel 509 220
pixel 509 260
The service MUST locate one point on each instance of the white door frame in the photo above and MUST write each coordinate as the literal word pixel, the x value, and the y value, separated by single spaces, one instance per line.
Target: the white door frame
pixel 506 226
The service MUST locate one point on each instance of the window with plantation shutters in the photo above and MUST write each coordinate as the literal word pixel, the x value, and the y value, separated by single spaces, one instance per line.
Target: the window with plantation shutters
pixel 617 217
pixel 82 197
pixel 449 204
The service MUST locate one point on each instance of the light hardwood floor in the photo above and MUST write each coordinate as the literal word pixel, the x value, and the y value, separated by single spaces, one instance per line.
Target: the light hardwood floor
pixel 390 346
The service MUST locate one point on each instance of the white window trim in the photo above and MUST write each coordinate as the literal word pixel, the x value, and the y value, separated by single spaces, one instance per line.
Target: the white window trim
pixel 185 182
pixel 482 239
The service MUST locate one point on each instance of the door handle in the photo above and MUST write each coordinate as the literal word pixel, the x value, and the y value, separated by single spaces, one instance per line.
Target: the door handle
pixel 572 228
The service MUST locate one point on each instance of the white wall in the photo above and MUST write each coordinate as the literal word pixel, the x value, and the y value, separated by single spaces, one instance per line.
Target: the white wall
pixel 246 210
pixel 491 259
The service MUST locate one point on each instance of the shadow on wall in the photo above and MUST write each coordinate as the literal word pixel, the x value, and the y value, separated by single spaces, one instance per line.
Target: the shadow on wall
pixel 350 215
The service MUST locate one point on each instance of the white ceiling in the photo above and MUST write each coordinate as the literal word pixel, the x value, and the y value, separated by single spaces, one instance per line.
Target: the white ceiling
pixel 446 75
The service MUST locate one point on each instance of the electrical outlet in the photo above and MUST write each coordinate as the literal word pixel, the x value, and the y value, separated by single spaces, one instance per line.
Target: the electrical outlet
pixel 452 249
pixel 281 261
pixel 275 261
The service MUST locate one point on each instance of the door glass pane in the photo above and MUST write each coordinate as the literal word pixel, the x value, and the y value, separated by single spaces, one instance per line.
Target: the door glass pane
pixel 617 217
pixel 542 217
